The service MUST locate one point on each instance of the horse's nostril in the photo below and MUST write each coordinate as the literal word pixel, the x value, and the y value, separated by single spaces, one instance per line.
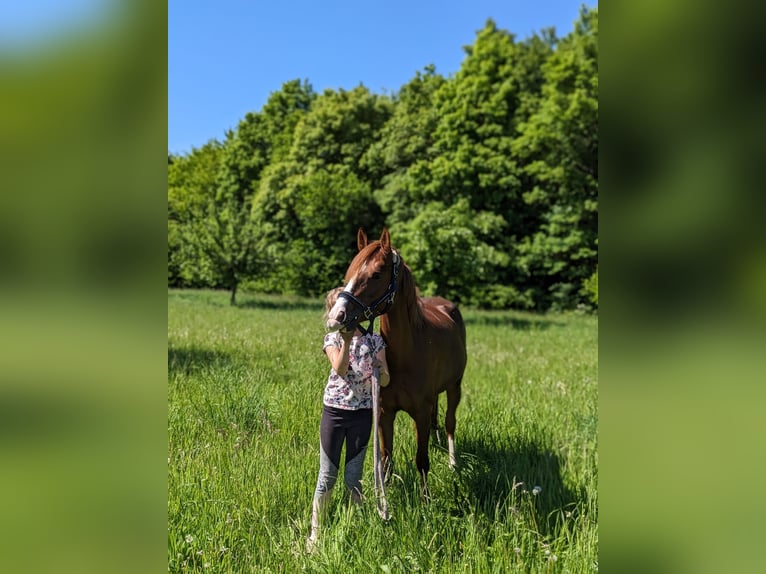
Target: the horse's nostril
pixel 341 316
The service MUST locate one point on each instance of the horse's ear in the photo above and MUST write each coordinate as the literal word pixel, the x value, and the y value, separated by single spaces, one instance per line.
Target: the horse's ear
pixel 385 240
pixel 361 239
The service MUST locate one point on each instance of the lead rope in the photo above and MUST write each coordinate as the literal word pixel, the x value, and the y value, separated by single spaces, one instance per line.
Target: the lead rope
pixel 380 491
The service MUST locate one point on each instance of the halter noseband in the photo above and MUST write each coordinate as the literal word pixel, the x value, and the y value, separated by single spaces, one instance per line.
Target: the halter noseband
pixel 369 311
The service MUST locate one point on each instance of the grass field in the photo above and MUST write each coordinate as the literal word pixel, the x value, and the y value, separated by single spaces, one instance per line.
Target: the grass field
pixel 245 389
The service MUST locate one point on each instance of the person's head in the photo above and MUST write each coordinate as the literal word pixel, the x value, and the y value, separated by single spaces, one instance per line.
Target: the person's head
pixel 332 297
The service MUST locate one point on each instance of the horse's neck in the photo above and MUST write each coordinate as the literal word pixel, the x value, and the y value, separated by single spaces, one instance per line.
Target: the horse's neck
pixel 399 337
pixel 398 326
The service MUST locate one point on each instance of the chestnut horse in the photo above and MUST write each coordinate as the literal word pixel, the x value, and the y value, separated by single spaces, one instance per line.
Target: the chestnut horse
pixel 425 343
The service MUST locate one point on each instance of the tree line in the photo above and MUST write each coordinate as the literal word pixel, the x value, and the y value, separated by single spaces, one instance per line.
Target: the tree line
pixel 487 180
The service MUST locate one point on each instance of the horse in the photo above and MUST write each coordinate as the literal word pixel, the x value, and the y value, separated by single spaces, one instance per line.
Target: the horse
pixel 425 343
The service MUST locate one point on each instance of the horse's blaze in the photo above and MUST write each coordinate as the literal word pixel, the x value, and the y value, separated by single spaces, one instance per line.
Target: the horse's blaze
pixel 339 311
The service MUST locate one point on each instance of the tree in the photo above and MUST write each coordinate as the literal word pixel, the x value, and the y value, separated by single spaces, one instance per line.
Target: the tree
pixel 309 205
pixel 446 249
pixel 466 160
pixel 191 186
pixel 340 129
pixel 218 229
pixel 558 147
pixel 225 232
pixel 405 139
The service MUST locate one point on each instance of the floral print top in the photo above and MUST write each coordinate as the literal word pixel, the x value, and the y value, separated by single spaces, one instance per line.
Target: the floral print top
pixel 354 391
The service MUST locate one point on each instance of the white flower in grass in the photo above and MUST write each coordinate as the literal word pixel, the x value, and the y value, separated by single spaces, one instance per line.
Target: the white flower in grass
pixel 537 490
pixel 517 550
pixel 189 538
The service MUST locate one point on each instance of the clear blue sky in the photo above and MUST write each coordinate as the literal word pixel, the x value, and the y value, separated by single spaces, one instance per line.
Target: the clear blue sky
pixel 27 23
pixel 226 56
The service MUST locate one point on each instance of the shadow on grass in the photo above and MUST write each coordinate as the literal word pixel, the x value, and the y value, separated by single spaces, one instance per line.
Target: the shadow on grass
pixel 191 360
pixel 245 300
pixel 491 477
pixel 281 304
pixel 514 322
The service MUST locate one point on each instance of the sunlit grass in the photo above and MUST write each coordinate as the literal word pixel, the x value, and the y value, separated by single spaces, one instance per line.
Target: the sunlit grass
pixel 244 400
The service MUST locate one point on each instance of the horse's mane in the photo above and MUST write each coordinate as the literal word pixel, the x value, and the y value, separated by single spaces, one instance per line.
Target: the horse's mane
pixel 422 310
pixel 409 294
pixel 436 311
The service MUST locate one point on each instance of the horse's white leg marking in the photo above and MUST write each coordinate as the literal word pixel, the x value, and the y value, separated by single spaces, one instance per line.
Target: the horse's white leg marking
pixel 451 443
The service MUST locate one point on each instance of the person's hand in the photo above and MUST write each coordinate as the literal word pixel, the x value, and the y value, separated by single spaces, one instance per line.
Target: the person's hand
pixel 347 335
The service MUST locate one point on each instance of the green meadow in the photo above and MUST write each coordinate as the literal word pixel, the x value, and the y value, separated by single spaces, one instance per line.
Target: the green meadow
pixel 245 390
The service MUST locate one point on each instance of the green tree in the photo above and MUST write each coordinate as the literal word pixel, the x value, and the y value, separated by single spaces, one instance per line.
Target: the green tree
pixel 282 113
pixel 405 139
pixel 219 232
pixel 446 248
pixel 467 157
pixel 191 187
pixel 590 288
pixel 558 147
pixel 340 129
pixel 309 205
pixel 479 111
pixel 225 233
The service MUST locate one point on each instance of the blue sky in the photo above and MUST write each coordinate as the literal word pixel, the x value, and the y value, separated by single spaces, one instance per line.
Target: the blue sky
pixel 226 56
pixel 25 23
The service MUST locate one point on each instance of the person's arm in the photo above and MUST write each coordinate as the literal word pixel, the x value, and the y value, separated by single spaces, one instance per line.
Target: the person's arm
pixel 382 365
pixel 339 357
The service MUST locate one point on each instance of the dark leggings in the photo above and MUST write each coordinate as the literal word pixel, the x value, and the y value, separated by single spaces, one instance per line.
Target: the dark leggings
pixel 339 426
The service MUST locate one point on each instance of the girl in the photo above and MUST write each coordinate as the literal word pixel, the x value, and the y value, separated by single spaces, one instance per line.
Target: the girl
pixel 358 361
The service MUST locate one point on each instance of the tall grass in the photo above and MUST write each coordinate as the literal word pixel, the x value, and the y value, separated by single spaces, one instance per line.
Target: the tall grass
pixel 245 390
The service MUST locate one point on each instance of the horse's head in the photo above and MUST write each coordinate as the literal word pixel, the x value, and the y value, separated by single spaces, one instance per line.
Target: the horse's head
pixel 371 284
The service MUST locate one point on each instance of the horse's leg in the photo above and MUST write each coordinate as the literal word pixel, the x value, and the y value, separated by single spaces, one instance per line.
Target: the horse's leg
pixel 434 417
pixel 386 433
pixel 453 398
pixel 422 426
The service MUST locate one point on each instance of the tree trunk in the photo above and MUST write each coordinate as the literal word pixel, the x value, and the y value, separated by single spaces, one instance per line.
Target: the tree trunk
pixel 233 300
